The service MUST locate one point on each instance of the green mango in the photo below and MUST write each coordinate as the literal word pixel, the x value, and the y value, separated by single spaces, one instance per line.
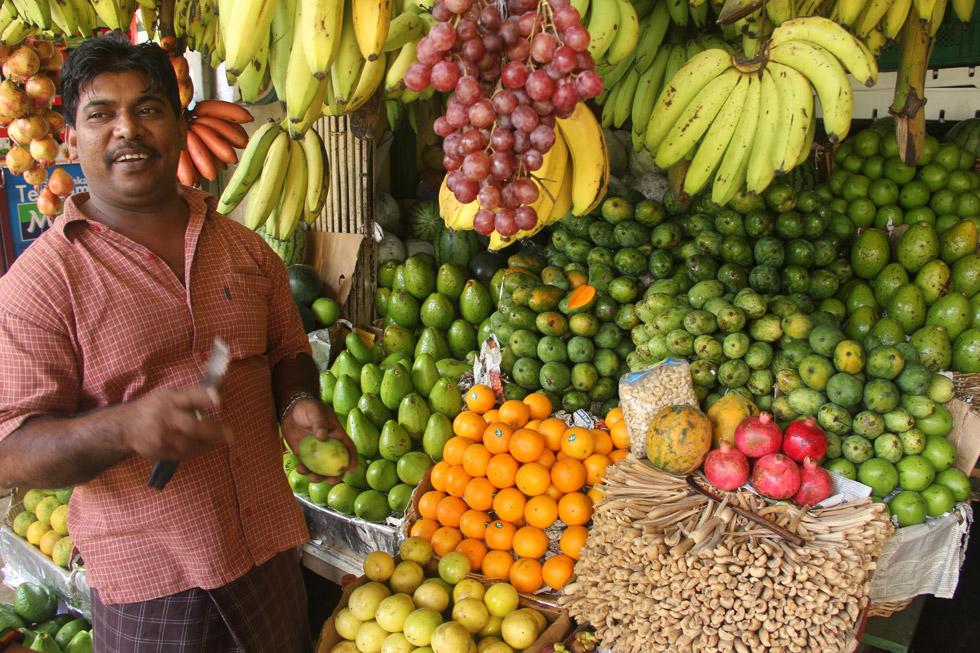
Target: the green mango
pixel 413 413
pixel 371 376
pixel 453 369
pixel 475 304
pixel 394 442
pixel 363 434
pixel 933 346
pixel 917 246
pixel 908 307
pixel 424 374
pixel 958 241
pixel 966 352
pixel 346 392
pixel 870 253
pixel 397 383
pixel 327 384
pixel 420 278
pixel 398 339
pixel 445 398
pixel 892 277
pixel 357 347
pixel 432 342
pixel 374 409
pixel 934 279
pixel 437 311
pixel 966 275
pixel 438 431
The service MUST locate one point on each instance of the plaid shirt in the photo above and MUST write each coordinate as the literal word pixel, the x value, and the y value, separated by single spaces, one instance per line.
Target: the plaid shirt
pixel 88 319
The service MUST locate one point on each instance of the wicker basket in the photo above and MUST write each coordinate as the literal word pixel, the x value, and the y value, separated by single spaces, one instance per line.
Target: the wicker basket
pixel 887 609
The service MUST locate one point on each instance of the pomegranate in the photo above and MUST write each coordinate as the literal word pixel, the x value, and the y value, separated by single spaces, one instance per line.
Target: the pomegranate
pixel 757 436
pixel 54 62
pixel 45 150
pixel 48 203
pixel 44 49
pixel 26 129
pixel 41 90
pixel 816 484
pixel 726 467
pixel 19 160
pixel 23 61
pixel 803 438
pixel 36 176
pixel 5 52
pixel 775 476
pixel 61 183
pixel 56 121
pixel 14 102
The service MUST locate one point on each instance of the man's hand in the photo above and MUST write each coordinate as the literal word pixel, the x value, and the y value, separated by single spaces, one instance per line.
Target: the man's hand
pixel 311 417
pixel 165 425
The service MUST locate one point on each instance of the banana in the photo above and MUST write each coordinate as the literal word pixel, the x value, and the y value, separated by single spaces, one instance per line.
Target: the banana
pixel 894 19
pixel 624 103
pixel 320 32
pixel 582 6
pixel 627 34
pixel 963 9
pixel 838 41
pixel 614 75
pixel 647 89
pixel 680 90
pixel 17 32
pixel 780 10
pixel 603 22
pixel 811 133
pixel 760 170
pixel 63 15
pixel 938 11
pixel 716 138
pixel 281 32
pixel 403 28
pixel 313 111
pixel 316 164
pixel 731 171
pixel 243 30
pixel 265 194
pixel 676 58
pixel 347 65
pixel 292 202
pixel 872 14
pixel 796 115
pixel 589 156
pixel 249 166
pixel 301 85
pixel 652 37
pixel 708 40
pixel 925 8
pixel 372 74
pixel 609 106
pixel 848 11
pixel 372 19
pixel 644 7
pixel 563 201
pixel 679 11
pixel 108 13
pixel 827 77
pixel 250 80
pixel 395 75
pixel 695 119
pixel 5 21
pixel 692 48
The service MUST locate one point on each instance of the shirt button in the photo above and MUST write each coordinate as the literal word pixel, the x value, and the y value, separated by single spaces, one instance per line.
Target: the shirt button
pixel 248 512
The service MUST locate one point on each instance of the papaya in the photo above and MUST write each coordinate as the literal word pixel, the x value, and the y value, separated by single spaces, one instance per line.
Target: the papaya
pixel 678 439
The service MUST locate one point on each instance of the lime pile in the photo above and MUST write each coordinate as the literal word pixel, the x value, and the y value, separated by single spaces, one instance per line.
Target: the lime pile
pixel 44 523
pixel 33 613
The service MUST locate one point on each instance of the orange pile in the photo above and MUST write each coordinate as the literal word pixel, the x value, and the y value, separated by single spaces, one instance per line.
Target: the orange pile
pixel 508 474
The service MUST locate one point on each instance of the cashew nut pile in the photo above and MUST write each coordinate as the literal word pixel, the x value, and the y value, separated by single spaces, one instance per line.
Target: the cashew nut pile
pixel 666 569
pixel 666 384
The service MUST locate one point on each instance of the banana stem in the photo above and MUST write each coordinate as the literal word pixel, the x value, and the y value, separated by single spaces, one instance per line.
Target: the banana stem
pixel 675 175
pixel 913 63
pixel 734 10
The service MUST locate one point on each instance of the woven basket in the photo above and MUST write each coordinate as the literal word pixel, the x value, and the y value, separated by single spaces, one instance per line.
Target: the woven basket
pixel 337 333
pixel 967 389
pixel 887 609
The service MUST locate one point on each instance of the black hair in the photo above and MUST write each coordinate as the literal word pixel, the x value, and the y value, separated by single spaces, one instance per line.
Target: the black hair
pixel 113 53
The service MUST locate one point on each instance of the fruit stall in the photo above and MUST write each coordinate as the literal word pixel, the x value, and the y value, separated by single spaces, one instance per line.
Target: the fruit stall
pixel 655 323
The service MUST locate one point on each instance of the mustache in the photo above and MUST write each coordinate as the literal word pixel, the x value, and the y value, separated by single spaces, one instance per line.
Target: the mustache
pixel 111 156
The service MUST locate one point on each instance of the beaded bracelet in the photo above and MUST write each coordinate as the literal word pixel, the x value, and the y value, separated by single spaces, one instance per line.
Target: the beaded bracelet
pixel 292 402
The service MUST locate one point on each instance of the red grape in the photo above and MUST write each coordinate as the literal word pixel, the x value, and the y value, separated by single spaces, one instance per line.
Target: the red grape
pixel 440 12
pixel 468 90
pixel 588 84
pixel 525 190
pixel 539 86
pixel 564 59
pixel 442 36
pixel 583 62
pixel 542 138
pixel 427 53
pixel 532 160
pixel 576 37
pixel 456 114
pixel 501 165
pixel 565 94
pixel 441 127
pixel 543 47
pixel 525 218
pixel 519 51
pixel 490 18
pixel 476 166
pixel 501 139
pixel 445 74
pixel 467 29
pixel 513 74
pixel 457 6
pixel 543 108
pixel 451 163
pixel 521 141
pixel 525 119
pixel 473 49
pixel 483 222
pixel 417 76
pixel 481 113
pixel 565 17
pixel 505 224
pixel 509 33
pixel 564 112
pixel 471 141
pixel 493 43
pixel 527 23
pixel 489 197
pixel 466 190
pixel 504 101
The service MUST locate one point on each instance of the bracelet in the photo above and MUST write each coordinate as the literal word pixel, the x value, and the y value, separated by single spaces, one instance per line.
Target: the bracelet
pixel 10 636
pixel 292 402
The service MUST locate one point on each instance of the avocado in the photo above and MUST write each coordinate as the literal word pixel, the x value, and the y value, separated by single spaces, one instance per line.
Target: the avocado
pixel 870 252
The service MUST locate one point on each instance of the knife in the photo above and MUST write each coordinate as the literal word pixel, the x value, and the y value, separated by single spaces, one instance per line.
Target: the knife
pixel 218 361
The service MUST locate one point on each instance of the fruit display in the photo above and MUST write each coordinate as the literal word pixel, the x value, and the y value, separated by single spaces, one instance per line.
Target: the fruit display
pixel 33 613
pixel 316 310
pixel 214 131
pixel 44 523
pixel 515 485
pixel 411 601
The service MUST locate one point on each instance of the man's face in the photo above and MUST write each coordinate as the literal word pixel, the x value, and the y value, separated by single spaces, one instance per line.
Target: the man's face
pixel 127 141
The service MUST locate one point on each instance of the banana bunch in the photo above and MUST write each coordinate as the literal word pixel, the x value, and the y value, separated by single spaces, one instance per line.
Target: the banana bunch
pixel 572 179
pixel 214 131
pixel 196 21
pixel 286 180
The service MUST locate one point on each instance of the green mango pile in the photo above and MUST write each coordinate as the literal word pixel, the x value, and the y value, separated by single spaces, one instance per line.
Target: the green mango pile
pixel 33 613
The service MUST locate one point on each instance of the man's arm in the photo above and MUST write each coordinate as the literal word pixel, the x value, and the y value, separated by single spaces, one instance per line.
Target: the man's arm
pixel 58 452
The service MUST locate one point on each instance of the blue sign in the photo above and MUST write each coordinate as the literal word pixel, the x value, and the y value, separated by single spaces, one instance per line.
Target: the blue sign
pixel 26 222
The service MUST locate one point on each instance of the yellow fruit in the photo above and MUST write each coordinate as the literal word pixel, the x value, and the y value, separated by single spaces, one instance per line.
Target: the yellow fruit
pixel 36 531
pixel 45 508
pixel 23 521
pixel 678 439
pixel 59 520
pixel 61 553
pixel 727 413
pixel 48 540
pixel 32 498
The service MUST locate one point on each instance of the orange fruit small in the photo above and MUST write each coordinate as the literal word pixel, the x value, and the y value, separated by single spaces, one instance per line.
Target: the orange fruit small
pixel 437 475
pixel 502 470
pixel 554 492
pixel 456 480
pixel 479 493
pixel 530 542
pixel 500 535
pixel 575 509
pixel 533 424
pixel 601 442
pixel 541 511
pixel 424 528
pixel 497 564
pixel 475 459
pixel 526 445
pixel 509 504
pixel 617 455
pixel 428 503
pixel 469 425
pixel 492 415
pixel 496 437
pixel 452 453
pixel 525 575
pixel 613 416
pixel 552 429
pixel 532 479
pixel 445 540
pixel 575 443
pixel 568 475
pixel 449 511
pixel 473 549
pixel 595 495
pixel 539 405
pixel 561 455
pixel 547 458
pixel 595 468
pixel 480 398
pixel 619 435
pixel 514 413
pixel 572 540
pixel 557 571
pixel 473 523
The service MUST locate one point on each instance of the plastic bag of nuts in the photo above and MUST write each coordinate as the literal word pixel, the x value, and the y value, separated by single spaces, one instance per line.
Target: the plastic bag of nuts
pixel 642 394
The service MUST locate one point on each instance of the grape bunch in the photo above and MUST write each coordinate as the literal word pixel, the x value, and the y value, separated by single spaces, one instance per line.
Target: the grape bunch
pixel 510 76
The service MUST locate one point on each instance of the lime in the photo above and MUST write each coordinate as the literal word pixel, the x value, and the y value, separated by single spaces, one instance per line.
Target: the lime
pixel 325 310
pixel 874 167
pixel 836 180
pixel 909 508
pixel 940 452
pixel 914 193
pixel 968 203
pixel 879 474
pixel 943 201
pixel 967 161
pixel 939 499
pixel 80 643
pixel 889 214
pixel 855 186
pixel 934 176
pixel 948 156
pixel 69 630
pixel 867 143
pixel 842 152
pixel 889 145
pixel 61 553
pixel 853 163
pixel 959 182
pixel 823 191
pixel 23 521
pixel 861 211
pixel 32 498
pixel 898 171
pixel 920 214
pixel 838 205
pixel 929 149
pixel 956 481
pixel 883 191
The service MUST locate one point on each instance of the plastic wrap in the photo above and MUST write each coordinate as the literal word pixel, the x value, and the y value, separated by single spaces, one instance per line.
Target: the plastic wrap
pixel 348 534
pixel 25 564
pixel 643 393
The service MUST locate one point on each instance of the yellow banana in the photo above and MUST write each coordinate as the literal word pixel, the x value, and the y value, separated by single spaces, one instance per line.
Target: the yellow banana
pixel 652 37
pixel 679 11
pixel 265 194
pixel 627 34
pixel 63 15
pixel 872 14
pixel 108 13
pixel 563 201
pixel 313 111
pixel 716 139
pixel 292 202
pixel 244 28
pixel 316 168
pixel 848 11
pixel 281 31
pixel 371 21
pixel 895 17
pixel 963 9
pixel 624 103
pixel 602 24
pixel 731 171
pixel 838 41
pixel 301 86
pixel 647 91
pixel 811 133
pixel 925 8
pixel 347 65
pixel 403 28
pixel 827 77
pixel 589 156
pixel 760 170
pixel 250 81
pixel 796 114
pixel 395 75
pixel 320 32
pixel 372 74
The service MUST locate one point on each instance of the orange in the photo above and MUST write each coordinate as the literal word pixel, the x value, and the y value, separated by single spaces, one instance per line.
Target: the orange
pixel 469 425
pixel 619 435
pixel 557 570
pixel 456 480
pixel 547 458
pixel 568 475
pixel 492 416
pixel 525 575
pixel 437 475
pixel 575 509
pixel 533 424
pixel 554 492
pixel 479 494
pixel 475 459
pixel 613 416
pixel 526 445
pixel 428 503
pixel 480 398
pixel 497 564
pixel 595 495
pixel 474 550
pixel 572 541
pixel 445 540
pixel 452 453
pixel 541 511
pixel 450 510
pixel 538 404
pixel 601 441
pixel 552 429
pixel 500 535
pixel 424 528
pixel 473 523
pixel 532 479
pixel 502 470
pixel 530 542
pixel 595 468
pixel 575 443
pixel 509 504
pixel 561 455
pixel 618 454
pixel 514 413
pixel 496 437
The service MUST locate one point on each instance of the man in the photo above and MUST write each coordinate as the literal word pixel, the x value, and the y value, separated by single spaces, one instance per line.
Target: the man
pixel 105 326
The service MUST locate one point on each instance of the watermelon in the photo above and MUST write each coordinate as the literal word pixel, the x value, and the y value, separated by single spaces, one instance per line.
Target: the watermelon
pixel 424 222
pixel 387 214
pixel 966 134
pixel 304 283
pixel 291 250
pixel 456 247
